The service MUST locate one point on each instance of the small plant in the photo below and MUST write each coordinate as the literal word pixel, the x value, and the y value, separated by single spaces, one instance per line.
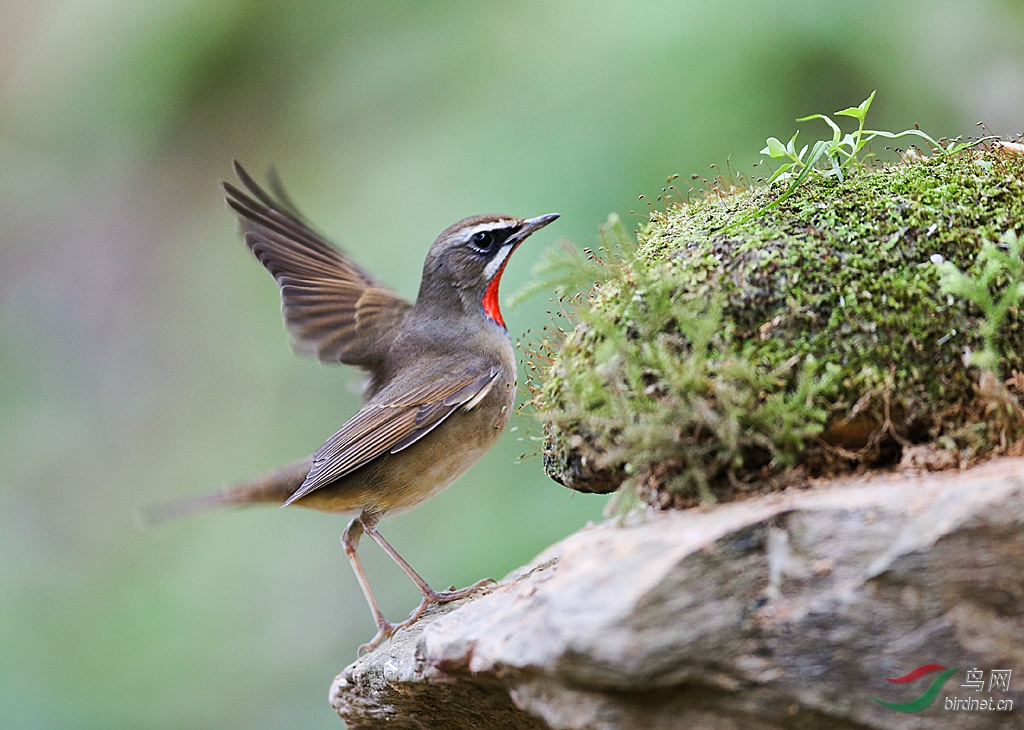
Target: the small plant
pixel 997 290
pixel 838 155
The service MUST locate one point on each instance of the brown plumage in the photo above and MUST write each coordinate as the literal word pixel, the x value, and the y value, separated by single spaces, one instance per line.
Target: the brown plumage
pixel 442 370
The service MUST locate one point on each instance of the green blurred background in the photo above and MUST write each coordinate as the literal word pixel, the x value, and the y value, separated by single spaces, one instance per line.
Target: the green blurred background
pixel 142 357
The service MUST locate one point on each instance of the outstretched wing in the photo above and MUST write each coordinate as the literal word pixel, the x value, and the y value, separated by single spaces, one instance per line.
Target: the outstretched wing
pixel 391 422
pixel 332 308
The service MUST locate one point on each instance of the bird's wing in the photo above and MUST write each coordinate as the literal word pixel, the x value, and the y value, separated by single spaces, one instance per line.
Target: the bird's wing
pixel 391 422
pixel 333 309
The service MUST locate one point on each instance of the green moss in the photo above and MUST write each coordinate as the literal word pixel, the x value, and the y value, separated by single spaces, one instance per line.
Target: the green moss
pixel 712 358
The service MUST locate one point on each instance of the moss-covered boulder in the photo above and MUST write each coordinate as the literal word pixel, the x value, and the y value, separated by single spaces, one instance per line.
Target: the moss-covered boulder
pixel 738 345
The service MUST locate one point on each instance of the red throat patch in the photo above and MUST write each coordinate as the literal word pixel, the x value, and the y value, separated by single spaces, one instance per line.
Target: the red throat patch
pixel 490 300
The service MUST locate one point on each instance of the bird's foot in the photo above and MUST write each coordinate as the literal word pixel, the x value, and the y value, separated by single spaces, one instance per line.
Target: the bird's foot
pixel 429 599
pixel 385 630
pixel 453 595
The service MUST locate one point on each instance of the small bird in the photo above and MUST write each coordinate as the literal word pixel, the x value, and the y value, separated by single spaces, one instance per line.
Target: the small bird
pixel 442 372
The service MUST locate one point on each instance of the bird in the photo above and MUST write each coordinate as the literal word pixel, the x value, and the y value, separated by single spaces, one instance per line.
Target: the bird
pixel 442 373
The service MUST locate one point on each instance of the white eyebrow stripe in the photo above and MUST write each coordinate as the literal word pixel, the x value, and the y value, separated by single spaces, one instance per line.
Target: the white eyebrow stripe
pixel 493 225
pixel 499 258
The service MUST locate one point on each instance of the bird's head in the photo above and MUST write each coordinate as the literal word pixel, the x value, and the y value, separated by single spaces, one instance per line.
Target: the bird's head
pixel 466 261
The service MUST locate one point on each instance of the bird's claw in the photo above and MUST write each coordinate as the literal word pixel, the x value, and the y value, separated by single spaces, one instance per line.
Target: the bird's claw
pixel 429 599
pixel 386 629
pixel 453 595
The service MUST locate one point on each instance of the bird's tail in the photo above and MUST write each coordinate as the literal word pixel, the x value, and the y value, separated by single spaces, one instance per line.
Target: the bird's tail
pixel 273 487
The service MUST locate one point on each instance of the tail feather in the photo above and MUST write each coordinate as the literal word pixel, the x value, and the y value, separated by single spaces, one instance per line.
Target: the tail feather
pixel 273 487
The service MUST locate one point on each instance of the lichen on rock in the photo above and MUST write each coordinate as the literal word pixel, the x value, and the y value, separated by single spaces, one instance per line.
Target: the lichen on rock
pixel 715 359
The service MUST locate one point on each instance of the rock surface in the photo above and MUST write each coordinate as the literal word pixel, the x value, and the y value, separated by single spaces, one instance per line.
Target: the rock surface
pixel 787 611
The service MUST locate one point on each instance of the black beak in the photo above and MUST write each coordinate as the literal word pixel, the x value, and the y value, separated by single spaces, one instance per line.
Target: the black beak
pixel 530 225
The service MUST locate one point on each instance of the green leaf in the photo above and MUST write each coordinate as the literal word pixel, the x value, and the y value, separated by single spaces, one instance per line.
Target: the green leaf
pixel 872 133
pixel 866 104
pixel 775 148
pixel 836 132
pixel 858 112
pixel 837 169
pixel 783 169
pixel 791 147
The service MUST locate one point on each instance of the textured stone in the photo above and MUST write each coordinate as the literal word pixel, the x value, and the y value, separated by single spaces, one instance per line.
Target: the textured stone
pixel 786 611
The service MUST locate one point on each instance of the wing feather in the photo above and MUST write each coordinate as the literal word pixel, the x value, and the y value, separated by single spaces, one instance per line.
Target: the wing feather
pixel 333 309
pixel 390 423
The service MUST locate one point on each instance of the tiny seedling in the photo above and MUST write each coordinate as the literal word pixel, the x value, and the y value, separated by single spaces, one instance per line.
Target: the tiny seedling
pixel 835 157
pixel 996 291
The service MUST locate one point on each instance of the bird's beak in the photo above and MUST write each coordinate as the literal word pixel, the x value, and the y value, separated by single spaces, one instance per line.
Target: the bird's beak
pixel 530 225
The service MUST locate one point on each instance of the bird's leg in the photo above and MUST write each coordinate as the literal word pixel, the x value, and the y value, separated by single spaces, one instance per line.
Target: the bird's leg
pixel 430 596
pixel 350 541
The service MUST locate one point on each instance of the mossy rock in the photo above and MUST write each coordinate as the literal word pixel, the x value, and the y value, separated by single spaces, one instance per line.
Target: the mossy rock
pixel 715 359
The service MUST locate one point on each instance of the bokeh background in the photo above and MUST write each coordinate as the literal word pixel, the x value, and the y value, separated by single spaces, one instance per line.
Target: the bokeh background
pixel 142 357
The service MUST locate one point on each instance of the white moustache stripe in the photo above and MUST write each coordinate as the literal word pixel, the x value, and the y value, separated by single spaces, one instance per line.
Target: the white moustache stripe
pixel 499 258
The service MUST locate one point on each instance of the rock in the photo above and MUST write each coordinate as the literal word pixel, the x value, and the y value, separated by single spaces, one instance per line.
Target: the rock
pixel 786 611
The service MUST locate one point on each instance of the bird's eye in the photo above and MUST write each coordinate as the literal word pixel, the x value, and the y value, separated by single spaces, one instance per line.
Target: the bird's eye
pixel 483 240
